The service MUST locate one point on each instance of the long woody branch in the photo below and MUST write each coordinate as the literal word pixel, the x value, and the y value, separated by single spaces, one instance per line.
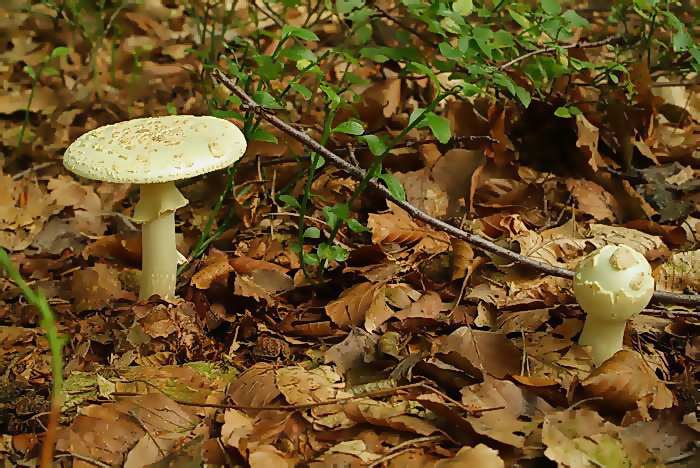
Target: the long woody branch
pixel 249 104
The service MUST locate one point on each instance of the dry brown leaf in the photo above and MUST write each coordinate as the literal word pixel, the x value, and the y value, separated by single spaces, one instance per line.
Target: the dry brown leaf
pixel 256 386
pixel 362 303
pixel 463 257
pixel 352 351
pixel 592 199
pixel 216 268
pixel 267 456
pixel 481 456
pixel 624 382
pixel 424 193
pixel 23 208
pixel 236 429
pixel 509 425
pixel 396 415
pixel 397 227
pixel 429 305
pixel 244 265
pixel 581 438
pixel 350 453
pixel 656 442
pixel 106 432
pixel 301 387
pixel 246 286
pixel 476 350
pixel 94 288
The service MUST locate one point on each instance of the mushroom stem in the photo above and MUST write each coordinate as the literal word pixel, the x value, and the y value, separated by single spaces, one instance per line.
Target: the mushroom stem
pixel 604 336
pixel 159 257
pixel 156 210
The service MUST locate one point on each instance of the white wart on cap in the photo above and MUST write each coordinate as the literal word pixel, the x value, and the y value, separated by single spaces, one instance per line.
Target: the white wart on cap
pixel 154 152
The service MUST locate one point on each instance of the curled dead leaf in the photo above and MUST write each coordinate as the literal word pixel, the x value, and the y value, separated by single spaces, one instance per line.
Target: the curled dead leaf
pixel 625 382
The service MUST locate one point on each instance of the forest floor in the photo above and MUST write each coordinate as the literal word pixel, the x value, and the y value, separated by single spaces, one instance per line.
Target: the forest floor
pixel 418 349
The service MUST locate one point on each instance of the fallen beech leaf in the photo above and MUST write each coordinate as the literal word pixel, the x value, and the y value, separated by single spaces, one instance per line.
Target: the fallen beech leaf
pixel 625 382
pixel 216 268
pixel 94 288
pixel 255 387
pixel 398 227
pixel 267 456
pixel 581 438
pixel 481 456
pixel 474 350
pixel 363 301
pixel 236 429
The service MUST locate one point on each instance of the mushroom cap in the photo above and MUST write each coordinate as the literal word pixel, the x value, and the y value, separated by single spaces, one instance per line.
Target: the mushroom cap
pixel 613 283
pixel 155 149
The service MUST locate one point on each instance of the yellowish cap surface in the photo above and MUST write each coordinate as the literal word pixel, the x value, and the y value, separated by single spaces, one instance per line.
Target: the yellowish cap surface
pixel 155 149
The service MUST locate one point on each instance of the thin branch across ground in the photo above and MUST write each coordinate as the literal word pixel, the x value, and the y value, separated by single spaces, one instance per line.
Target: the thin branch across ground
pixel 249 104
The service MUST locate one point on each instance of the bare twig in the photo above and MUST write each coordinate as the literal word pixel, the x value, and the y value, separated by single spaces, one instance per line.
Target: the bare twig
pixel 407 446
pixel 546 50
pixel 249 104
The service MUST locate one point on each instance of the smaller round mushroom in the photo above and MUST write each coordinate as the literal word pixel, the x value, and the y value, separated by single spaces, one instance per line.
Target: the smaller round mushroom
pixel 155 152
pixel 611 284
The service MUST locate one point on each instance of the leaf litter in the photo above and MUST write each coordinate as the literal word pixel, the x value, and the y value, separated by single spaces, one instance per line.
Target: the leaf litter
pixel 416 350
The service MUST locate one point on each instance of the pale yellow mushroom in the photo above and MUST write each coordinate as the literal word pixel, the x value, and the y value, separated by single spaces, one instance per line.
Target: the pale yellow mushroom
pixel 155 152
pixel 611 284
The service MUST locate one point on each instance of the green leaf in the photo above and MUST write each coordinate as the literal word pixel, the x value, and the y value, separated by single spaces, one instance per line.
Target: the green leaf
pixel 30 71
pixel 394 186
pixel 351 127
pixel 450 52
pixel 289 200
pixel 463 7
pixel 335 214
pixel 301 89
pixel 355 226
pixel 304 34
pixel 295 247
pixel 463 44
pixel 417 114
pixel 440 127
pixel 575 19
pixel 562 112
pixel 376 145
pixel 425 70
pixel 312 233
pixel 171 108
pixel 265 99
pixel 317 161
pixel 226 114
pixel 311 259
pixel 332 95
pixel 346 6
pixel 338 253
pixel 262 135
pixel 523 95
pixel 551 7
pixel 49 71
pixel 681 41
pixel 60 52
pixel 518 18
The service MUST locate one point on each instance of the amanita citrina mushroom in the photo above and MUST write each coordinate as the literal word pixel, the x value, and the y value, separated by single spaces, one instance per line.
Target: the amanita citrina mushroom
pixel 154 152
pixel 611 284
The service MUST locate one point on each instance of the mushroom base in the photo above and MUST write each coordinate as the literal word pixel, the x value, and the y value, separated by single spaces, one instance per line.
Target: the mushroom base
pixel 604 337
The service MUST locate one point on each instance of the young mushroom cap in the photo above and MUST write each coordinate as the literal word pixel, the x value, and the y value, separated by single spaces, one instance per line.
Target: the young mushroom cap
pixel 154 152
pixel 611 284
